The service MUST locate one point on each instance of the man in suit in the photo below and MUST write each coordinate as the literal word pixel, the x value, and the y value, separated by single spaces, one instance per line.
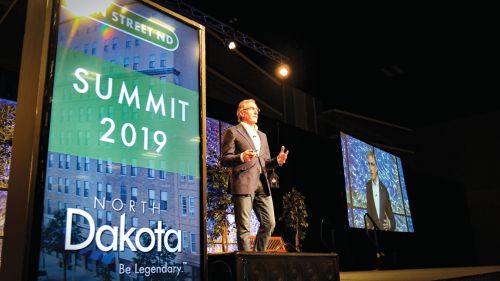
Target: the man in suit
pixel 377 197
pixel 246 151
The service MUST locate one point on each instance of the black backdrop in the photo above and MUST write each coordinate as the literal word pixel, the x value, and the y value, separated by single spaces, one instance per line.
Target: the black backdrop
pixel 314 167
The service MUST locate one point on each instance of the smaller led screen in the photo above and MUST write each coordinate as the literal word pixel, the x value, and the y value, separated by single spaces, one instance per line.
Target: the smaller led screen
pixel 374 184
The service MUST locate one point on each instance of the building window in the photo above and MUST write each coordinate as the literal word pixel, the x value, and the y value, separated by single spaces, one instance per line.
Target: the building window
pixel 81 115
pixel 133 194
pixel 115 43
pixel 51 160
pixel 78 187
pixel 191 206
pixel 128 43
pixel 76 219
pixel 49 183
pixel 94 48
pixel 152 223
pixel 109 167
pixel 133 170
pixel 102 114
pixel 109 191
pixel 126 62
pixel 106 45
pixel 163 60
pixel 162 174
pixel 135 112
pixel 163 200
pixel 184 205
pixel 123 193
pixel 183 178
pixel 185 243
pixel 137 42
pixel 123 169
pixel 87 164
pixel 135 66
pixel 60 183
pixel 99 190
pixel 66 186
pixel 135 222
pixel 151 198
pixel 193 243
pixel 124 116
pixel 86 49
pixel 86 210
pixel 99 166
pixel 49 206
pixel 79 162
pixel 61 160
pixel 86 188
pixel 152 60
pixel 99 217
pixel 60 205
pixel 109 218
pixel 151 171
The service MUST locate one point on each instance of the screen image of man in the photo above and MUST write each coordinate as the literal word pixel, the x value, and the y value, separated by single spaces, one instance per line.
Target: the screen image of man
pixel 246 151
pixel 377 198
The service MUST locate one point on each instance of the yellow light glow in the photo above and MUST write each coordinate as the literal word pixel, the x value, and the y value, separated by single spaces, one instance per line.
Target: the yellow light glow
pixel 88 7
pixel 231 45
pixel 283 71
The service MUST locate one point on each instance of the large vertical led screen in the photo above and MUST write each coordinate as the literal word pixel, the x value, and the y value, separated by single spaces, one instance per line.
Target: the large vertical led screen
pixel 122 182
pixel 374 184
pixel 7 122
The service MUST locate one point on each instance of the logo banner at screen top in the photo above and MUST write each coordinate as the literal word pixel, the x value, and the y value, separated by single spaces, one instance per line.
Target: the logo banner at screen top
pixel 139 26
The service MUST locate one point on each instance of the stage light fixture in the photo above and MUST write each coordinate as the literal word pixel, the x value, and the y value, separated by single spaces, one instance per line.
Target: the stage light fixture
pixel 283 71
pixel 231 45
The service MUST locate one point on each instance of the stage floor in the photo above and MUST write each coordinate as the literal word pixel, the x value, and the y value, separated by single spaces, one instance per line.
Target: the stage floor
pixel 418 274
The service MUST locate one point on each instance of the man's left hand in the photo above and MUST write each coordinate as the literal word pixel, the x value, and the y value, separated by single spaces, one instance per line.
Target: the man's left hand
pixel 282 156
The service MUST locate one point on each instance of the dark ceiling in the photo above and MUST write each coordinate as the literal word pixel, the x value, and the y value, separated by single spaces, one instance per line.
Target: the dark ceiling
pixel 412 64
pixel 409 64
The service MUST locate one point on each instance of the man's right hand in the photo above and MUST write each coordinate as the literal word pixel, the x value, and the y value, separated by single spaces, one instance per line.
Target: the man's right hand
pixel 248 155
pixel 387 222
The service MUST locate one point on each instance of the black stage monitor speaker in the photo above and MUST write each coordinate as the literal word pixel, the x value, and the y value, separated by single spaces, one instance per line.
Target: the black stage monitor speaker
pixel 257 266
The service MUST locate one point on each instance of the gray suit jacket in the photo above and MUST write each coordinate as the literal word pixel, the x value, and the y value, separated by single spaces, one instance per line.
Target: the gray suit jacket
pixel 385 205
pixel 245 176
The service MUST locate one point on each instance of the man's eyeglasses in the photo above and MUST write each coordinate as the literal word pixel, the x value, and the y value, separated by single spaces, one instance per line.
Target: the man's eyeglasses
pixel 252 108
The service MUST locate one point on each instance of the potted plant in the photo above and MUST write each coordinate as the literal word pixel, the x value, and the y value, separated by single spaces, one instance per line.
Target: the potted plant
pixel 295 215
pixel 218 199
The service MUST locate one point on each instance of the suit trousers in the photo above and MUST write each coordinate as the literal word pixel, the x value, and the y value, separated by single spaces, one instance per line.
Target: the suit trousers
pixel 262 205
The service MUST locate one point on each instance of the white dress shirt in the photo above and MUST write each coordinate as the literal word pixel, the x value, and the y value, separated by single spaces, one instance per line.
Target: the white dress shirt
pixel 376 196
pixel 252 131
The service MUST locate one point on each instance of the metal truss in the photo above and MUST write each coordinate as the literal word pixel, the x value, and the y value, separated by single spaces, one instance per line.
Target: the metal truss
pixel 227 31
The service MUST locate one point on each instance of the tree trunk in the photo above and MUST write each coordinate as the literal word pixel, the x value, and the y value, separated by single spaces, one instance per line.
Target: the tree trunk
pixel 225 237
pixel 297 236
pixel 64 265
